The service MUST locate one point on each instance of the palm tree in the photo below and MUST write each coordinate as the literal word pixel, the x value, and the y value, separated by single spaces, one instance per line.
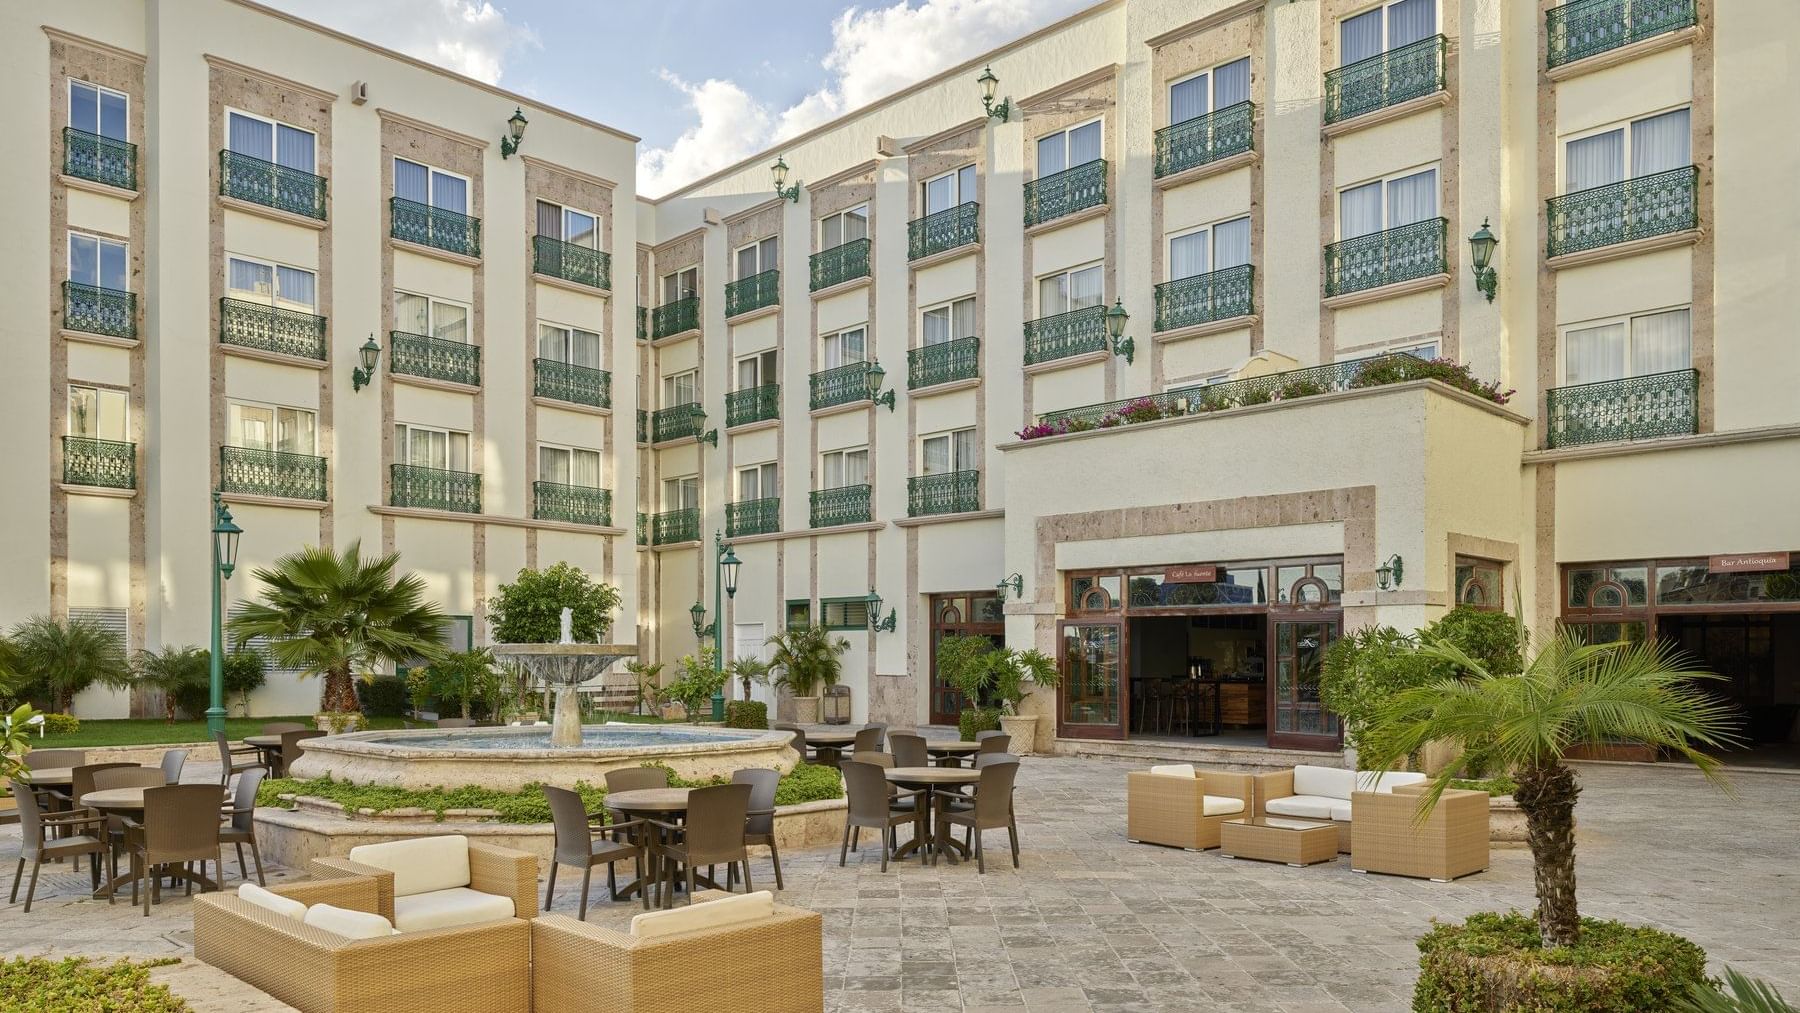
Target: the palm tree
pixel 750 671
pixel 460 674
pixel 808 659
pixel 337 614
pixel 172 670
pixel 62 658
pixel 1572 694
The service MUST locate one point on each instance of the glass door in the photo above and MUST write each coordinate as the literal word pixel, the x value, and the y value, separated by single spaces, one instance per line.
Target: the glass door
pixel 1299 720
pixel 975 614
pixel 1092 698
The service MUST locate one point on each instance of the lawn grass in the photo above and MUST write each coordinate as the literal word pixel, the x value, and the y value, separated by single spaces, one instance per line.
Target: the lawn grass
pixel 156 731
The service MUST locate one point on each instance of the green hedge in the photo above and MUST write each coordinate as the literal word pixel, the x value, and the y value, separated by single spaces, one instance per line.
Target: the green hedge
pixel 1497 961
pixel 75 983
pixel 61 724
pixel 971 721
pixel 746 714
pixel 383 697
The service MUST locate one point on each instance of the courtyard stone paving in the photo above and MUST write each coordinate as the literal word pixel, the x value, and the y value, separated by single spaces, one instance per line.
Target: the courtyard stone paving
pixel 1092 922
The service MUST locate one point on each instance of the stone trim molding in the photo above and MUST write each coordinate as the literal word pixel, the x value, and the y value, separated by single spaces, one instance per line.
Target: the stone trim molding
pixel 276 501
pixel 1030 103
pixel 571 286
pixel 952 387
pixel 94 44
pixel 569 406
pixel 1241 9
pixel 1205 329
pixel 1619 251
pixel 845 286
pixel 1694 442
pixel 1380 292
pixel 1199 172
pixel 1625 54
pixel 279 358
pixel 956 518
pixel 1389 114
pixel 1075 218
pixel 90 338
pixel 1068 362
pixel 563 170
pixel 274 214
pixel 737 217
pixel 933 140
pixel 783 536
pixel 401 119
pixel 497 519
pixel 433 252
pixel 103 492
pixel 284 83
pixel 845 175
pixel 944 256
pixel 103 189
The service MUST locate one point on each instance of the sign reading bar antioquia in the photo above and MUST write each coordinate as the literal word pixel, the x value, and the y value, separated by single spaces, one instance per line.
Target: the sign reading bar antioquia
pixel 1748 562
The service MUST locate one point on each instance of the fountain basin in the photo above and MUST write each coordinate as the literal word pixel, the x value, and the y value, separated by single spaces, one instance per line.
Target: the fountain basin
pixel 508 759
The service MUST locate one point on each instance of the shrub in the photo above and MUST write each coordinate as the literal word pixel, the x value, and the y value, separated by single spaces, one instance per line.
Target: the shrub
pixel 1495 786
pixel 1493 638
pixel 1496 961
pixel 384 697
pixel 972 720
pixel 1299 388
pixel 245 672
pixel 746 714
pixel 75 983
pixel 1141 410
pixel 1363 669
pixel 1739 994
pixel 1259 396
pixel 1402 368
pixel 529 610
pixel 61 724
pixel 695 686
pixel 809 782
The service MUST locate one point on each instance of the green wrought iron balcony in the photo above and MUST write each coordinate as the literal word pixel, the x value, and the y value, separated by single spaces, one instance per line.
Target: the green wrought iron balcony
pixel 675 317
pixel 94 310
pixel 840 385
pixel 678 422
pixel 753 517
pixel 435 489
pixel 434 358
pixel 841 263
pixel 752 293
pixel 643 428
pixel 1076 332
pixel 753 404
pixel 944 362
pixel 1203 139
pixel 107 464
pixel 271 329
pixel 952 492
pixel 249 471
pixel 1634 408
pixel 1620 212
pixel 101 159
pixel 273 186
pixel 643 528
pixel 582 265
pixel 1386 257
pixel 1388 79
pixel 1590 27
pixel 1064 193
pixel 847 504
pixel 438 228
pixel 571 504
pixel 643 323
pixel 673 526
pixel 1204 298
pixel 943 230
pixel 564 381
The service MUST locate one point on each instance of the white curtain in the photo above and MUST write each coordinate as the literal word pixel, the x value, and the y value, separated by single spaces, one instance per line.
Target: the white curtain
pixel 1231 83
pixel 296 431
pixel 749 484
pixel 746 262
pixel 1591 354
pixel 1359 210
pixel 1660 342
pixel 1084 144
pixel 850 346
pixel 412 313
pixel 856 224
pixel 452 323
pixel 1053 154
pixel 1085 288
pixel 584 469
pixel 553 465
pixel 293 148
pixel 856 467
pixel 1412 198
pixel 549 220
pixel 584 348
pixel 937 325
pixel 1594 161
pixel 1188 255
pixel 1053 295
pixel 249 136
pixel 296 288
pixel 937 455
pixel 1231 243
pixel 246 278
pixel 1187 99
pixel 965 452
pixel 412 181
pixel 746 374
pixel 450 193
pixel 252 426
pixel 1359 37
pixel 940 194
pixel 553 342
pixel 1411 20
pixel 1660 143
pixel 962 318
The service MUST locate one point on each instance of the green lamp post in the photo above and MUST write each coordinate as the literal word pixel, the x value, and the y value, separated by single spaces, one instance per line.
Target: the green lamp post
pixel 725 579
pixel 225 534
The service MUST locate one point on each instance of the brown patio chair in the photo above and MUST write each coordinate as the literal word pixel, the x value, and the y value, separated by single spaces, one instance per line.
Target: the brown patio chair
pixel 990 809
pixel 180 827
pixel 799 742
pixel 993 742
pixel 577 846
pixel 85 834
pixel 39 759
pixel 713 834
pixel 173 760
pixel 239 828
pixel 291 749
pixel 872 806
pixel 636 778
pixel 456 722
pixel 229 763
pixel 128 775
pixel 908 750
pixel 759 828
pixel 81 781
pixel 868 739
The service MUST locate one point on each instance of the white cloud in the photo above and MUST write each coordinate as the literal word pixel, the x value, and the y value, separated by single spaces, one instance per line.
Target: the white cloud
pixel 726 115
pixel 471 37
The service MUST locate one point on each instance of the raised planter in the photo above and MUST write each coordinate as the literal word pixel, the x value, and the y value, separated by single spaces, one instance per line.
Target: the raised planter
pixel 1022 730
pixel 1506 824
pixel 806 710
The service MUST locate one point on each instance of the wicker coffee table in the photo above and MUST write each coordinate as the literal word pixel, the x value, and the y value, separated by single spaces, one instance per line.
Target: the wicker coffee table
pixel 1279 839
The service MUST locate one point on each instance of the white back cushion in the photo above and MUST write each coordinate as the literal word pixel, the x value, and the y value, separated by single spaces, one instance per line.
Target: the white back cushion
pixel 1330 782
pixel 711 914
pixel 420 865
pixel 250 893
pixel 347 923
pixel 1174 769
pixel 1386 782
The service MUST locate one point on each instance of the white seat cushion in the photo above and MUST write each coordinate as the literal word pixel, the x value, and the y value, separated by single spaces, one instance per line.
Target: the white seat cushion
pixel 1307 807
pixel 1221 805
pixel 1330 782
pixel 1341 812
pixel 421 865
pixel 441 909
pixel 250 893
pixel 1174 769
pixel 347 923
pixel 1385 782
pixel 712 914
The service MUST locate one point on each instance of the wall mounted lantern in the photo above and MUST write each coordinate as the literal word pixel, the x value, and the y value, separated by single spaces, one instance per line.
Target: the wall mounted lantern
pixel 780 171
pixel 875 375
pixel 1016 582
pixel 1389 574
pixel 710 436
pixel 515 133
pixel 1115 330
pixel 363 375
pixel 1481 253
pixel 989 84
pixel 876 623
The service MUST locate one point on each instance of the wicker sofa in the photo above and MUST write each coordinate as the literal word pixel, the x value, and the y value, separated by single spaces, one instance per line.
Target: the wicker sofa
pixel 434 882
pixel 1179 806
pixel 1323 793
pixel 1386 835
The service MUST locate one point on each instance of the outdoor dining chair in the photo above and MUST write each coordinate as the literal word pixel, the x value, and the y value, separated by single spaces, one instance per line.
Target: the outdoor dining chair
pixel 759 827
pixel 636 778
pixel 291 749
pixel 993 742
pixel 40 759
pixel 908 749
pixel 180 827
pixel 798 742
pixel 990 809
pixel 128 775
pixel 577 846
pixel 713 834
pixel 239 827
pixel 84 834
pixel 871 806
pixel 229 763
pixel 173 760
pixel 868 739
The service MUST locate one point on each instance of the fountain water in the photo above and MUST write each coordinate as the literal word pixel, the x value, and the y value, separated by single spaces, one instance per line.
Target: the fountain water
pixel 565 665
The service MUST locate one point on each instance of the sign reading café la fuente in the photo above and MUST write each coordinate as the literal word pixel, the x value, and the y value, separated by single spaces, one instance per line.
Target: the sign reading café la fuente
pixel 1191 573
pixel 1749 562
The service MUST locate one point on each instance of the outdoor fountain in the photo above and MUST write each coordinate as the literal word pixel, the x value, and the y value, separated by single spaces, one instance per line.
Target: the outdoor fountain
pixel 565 665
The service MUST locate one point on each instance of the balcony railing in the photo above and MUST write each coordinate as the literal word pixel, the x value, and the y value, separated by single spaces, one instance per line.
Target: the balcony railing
pixel 107 464
pixel 101 159
pixel 753 404
pixel 94 310
pixel 1066 192
pixel 441 229
pixel 643 528
pixel 839 264
pixel 1255 390
pixel 752 293
pixel 249 471
pixel 434 358
pixel 1203 298
pixel 643 426
pixel 676 422
pixel 1590 27
pixel 1076 332
pixel 675 317
pixel 672 526
pixel 944 362
pixel 582 265
pixel 952 492
pixel 840 385
pixel 1388 79
pixel 1386 257
pixel 435 489
pixel 271 328
pixel 753 517
pixel 943 230
pixel 565 381
pixel 1203 139
pixel 295 191
pixel 1620 212
pixel 571 504
pixel 643 323
pixel 1634 408
pixel 847 504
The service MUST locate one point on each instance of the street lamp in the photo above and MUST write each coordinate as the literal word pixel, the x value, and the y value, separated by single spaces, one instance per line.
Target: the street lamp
pixel 225 535
pixel 1481 252
pixel 1115 330
pixel 363 375
pixel 989 84
pixel 725 578
pixel 874 377
pixel 780 170
pixel 515 132
pixel 876 623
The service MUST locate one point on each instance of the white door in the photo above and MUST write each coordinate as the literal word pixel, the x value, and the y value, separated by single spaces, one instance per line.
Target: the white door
pixel 747 641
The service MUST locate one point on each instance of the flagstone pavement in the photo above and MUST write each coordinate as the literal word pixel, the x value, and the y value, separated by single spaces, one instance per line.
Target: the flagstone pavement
pixel 1092 922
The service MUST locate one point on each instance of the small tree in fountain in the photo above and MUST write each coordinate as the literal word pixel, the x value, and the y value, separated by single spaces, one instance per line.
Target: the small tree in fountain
pixel 529 610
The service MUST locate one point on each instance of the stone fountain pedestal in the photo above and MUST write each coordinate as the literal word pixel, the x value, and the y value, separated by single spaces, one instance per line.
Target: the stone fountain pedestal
pixel 565 666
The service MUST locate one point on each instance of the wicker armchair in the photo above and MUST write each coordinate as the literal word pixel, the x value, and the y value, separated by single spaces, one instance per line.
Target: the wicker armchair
pixel 1386 836
pixel 1183 809
pixel 499 871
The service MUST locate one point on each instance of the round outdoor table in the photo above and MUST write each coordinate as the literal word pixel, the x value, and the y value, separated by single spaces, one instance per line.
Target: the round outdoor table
pixel 49 777
pixel 130 801
pixel 929 778
pixel 270 748
pixel 665 802
pixel 828 741
pixel 949 752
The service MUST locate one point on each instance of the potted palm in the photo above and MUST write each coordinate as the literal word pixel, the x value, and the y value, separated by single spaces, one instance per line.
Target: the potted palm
pixel 808 659
pixel 995 681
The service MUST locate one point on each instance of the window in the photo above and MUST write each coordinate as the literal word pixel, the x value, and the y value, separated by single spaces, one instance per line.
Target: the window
pixel 755 370
pixel 1212 248
pixel 1389 26
pixel 1478 584
pixel 1640 148
pixel 799 614
pixel 681 493
pixel 950 321
pixel 844 613
pixel 844 227
pixel 757 482
pixel 424 447
pixel 271 141
pixel 98 262
pixel 680 285
pixel 98 110
pixel 845 348
pixel 569 344
pixel 842 468
pixel 569 466
pixel 1224 85
pixel 1629 346
pixel 278 285
pixel 1069 148
pixel 953 451
pixel 423 184
pixel 421 314
pixel 577 228
pixel 97 413
pixel 949 190
pixel 1387 204
pixel 114 620
pixel 680 389
pixel 270 427
pixel 1070 290
pixel 760 256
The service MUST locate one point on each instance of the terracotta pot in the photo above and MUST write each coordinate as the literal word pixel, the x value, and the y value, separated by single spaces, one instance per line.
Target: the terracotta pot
pixel 806 710
pixel 1022 729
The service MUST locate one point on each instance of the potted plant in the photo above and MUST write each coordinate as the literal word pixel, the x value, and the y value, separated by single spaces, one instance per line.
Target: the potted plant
pixel 808 659
pixel 995 681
